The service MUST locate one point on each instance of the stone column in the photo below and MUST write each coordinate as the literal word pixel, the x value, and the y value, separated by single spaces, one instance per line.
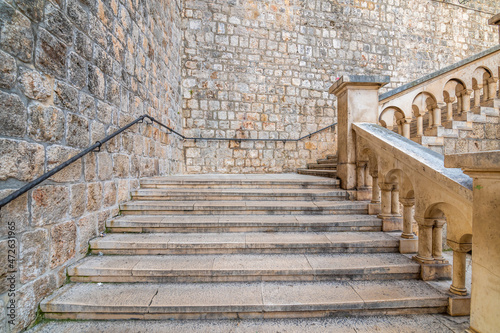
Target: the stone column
pixel 431 119
pixel 437 117
pixel 390 221
pixel 357 101
pixel 484 169
pixel 408 242
pixel 449 108
pixel 437 239
pixel 395 200
pixel 477 96
pixel 491 91
pixel 420 125
pixel 406 127
pixel 361 166
pixel 407 217
pixel 368 178
pixel 459 103
pixel 424 240
pixel 386 206
pixel 459 268
pixel 466 100
pixel 374 205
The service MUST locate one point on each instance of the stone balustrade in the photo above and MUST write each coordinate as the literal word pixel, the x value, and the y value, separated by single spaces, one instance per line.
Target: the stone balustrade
pixel 441 103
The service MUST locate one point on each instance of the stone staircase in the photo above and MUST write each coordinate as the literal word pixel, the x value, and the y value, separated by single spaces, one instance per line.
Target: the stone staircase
pixel 323 167
pixel 242 246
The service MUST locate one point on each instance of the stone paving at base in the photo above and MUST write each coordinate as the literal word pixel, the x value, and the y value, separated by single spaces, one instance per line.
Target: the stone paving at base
pixel 362 324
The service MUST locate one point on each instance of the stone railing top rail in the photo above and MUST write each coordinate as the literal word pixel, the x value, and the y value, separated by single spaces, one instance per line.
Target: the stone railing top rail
pixel 419 157
pixel 424 79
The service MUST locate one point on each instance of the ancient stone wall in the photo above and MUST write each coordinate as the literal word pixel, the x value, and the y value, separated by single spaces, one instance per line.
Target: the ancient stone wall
pixel 262 68
pixel 71 72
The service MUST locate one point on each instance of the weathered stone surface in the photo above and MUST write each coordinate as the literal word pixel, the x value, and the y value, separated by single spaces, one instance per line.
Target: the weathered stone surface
pixel 83 45
pixel 49 204
pixel 90 167
pixel 98 132
pixel 123 190
pixel 87 229
pixel 121 165
pixel 62 249
pixel 13 118
pixel 96 81
pixel 5 246
pixel 77 71
pixel 51 54
pixel 104 166
pixel 20 160
pixel 34 85
pixel 109 194
pixel 78 14
pixel 78 199
pixel 104 112
pixel 94 197
pixel 32 8
pixel 46 123
pixel 58 24
pixel 14 214
pixel 57 155
pixel 66 96
pixel 87 106
pixel 8 70
pixel 16 36
pixel 34 253
pixel 78 131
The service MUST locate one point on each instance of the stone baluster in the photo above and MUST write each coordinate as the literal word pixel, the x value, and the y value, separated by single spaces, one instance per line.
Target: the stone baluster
pixel 424 240
pixel 368 178
pixel 437 239
pixel 477 95
pixel 386 190
pixel 407 217
pixel 491 90
pixel 375 190
pixel 406 127
pixel 459 267
pixel 360 174
pixel 449 108
pixel 420 125
pixel 466 100
pixel 431 118
pixel 395 200
pixel 459 103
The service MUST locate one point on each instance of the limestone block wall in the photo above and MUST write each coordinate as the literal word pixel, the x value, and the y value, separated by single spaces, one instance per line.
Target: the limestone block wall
pixel 71 72
pixel 483 137
pixel 262 68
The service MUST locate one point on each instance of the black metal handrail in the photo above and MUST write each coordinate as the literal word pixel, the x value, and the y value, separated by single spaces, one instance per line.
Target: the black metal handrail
pixel 97 146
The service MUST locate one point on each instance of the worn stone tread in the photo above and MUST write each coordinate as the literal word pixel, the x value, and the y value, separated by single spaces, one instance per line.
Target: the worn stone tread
pixel 169 300
pixel 242 267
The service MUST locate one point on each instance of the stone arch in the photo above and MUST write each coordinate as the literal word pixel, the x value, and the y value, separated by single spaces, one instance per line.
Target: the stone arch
pixel 456 221
pixel 399 177
pixel 392 116
pixel 422 107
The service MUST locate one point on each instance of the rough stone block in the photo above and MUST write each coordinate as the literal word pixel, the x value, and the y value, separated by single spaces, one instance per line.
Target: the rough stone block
pixel 95 81
pixel 78 199
pixel 66 96
pixel 78 14
pixel 31 8
pixel 8 70
pixel 13 118
pixel 430 272
pixel 408 245
pixel 51 54
pixel 49 204
pixel 459 305
pixel 77 71
pixel 62 247
pixel 123 190
pixel 90 167
pixel 16 36
pixel 58 24
pixel 87 229
pixel 109 194
pixel 78 131
pixel 87 106
pixel 15 212
pixel 121 165
pixel 34 254
pixel 34 85
pixel 94 197
pixel 46 123
pixel 20 160
pixel 83 45
pixel 104 166
pixel 4 264
pixel 104 112
pixel 57 155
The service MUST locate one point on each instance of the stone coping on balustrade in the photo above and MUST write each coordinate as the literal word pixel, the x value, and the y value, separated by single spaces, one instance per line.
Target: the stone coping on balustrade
pixel 495 20
pixel 438 73
pixel 380 80
pixel 484 160
pixel 423 155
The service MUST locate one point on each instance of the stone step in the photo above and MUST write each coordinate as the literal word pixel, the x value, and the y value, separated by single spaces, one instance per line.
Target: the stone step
pixel 253 242
pixel 331 157
pixel 243 207
pixel 242 223
pixel 292 181
pixel 241 300
pixel 217 194
pixel 324 166
pixel 326 161
pixel 243 268
pixel 318 172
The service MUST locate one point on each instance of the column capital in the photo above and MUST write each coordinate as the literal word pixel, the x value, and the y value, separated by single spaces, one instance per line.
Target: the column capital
pixel 423 222
pixel 407 202
pixel 386 186
pixel 459 247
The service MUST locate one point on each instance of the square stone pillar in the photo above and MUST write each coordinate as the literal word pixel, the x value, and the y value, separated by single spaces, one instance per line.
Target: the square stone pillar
pixel 484 169
pixel 357 102
pixel 495 20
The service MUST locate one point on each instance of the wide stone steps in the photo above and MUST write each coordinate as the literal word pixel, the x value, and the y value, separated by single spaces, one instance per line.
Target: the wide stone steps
pixel 239 300
pixel 325 166
pixel 239 194
pixel 243 268
pixel 318 172
pixel 283 181
pixel 243 207
pixel 239 223
pixel 252 242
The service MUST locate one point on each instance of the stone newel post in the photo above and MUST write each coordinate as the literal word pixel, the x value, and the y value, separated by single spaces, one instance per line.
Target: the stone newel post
pixel 357 101
pixel 484 169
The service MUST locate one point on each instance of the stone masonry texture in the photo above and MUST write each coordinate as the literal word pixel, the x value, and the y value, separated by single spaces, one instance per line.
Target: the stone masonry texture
pixel 72 72
pixel 262 68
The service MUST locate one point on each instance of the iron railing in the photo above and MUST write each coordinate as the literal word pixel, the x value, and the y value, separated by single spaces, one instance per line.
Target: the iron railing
pixel 97 146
